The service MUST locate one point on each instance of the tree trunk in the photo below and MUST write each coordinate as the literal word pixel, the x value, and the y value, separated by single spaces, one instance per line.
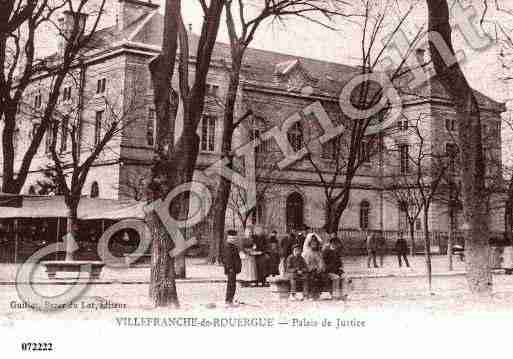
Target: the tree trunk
pixel 508 212
pixel 162 276
pixel 427 250
pixel 71 230
pixel 223 190
pixel 218 213
pixel 8 182
pixel 479 275
pixel 450 241
pixel 412 236
pixel 336 212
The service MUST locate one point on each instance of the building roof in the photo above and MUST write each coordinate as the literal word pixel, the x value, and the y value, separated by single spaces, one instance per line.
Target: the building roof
pixel 269 69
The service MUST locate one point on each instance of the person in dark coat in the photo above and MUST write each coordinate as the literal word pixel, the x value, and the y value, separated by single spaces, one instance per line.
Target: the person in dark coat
pixel 297 270
pixel 274 254
pixel 334 268
pixel 262 257
pixel 401 249
pixel 232 265
pixel 300 239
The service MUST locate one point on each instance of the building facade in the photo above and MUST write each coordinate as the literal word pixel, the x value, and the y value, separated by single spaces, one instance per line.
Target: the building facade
pixel 275 88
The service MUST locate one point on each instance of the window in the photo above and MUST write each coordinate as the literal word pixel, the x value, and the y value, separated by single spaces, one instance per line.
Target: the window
pixel 331 149
pixel 100 85
pixel 451 151
pixel 66 93
pixel 450 124
pixel 365 149
pixel 37 100
pixel 50 132
pixel 257 216
pixel 403 216
pixel 404 158
pixel 264 145
pixel 295 136
pixel 364 214
pixel 98 127
pixel 208 129
pixel 484 131
pixel 95 190
pixel 418 225
pixel 150 128
pixel 64 134
pixel 212 90
pixel 253 135
pixel 16 139
pixel 402 125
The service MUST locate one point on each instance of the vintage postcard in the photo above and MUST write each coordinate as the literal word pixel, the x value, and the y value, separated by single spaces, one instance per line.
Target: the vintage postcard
pixel 200 176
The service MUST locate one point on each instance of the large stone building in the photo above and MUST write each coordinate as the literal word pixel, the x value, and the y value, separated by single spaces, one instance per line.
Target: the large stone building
pixel 274 87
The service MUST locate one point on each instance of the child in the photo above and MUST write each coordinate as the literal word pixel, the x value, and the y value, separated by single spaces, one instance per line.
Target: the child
pixel 297 270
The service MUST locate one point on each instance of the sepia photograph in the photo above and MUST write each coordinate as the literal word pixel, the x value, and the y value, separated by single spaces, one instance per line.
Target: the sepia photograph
pixel 256 176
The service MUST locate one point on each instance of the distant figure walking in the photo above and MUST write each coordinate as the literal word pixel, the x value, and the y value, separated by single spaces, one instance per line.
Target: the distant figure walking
pixel 401 248
pixel 232 265
pixel 371 242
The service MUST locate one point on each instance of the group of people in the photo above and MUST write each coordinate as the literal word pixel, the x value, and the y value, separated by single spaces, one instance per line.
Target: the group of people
pixel 376 245
pixel 313 265
pixel 300 256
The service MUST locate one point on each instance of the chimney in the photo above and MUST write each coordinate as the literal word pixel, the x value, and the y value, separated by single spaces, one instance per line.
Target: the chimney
pixel 420 54
pixel 66 23
pixel 131 10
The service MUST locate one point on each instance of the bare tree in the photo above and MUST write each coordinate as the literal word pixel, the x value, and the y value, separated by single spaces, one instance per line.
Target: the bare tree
pixel 72 168
pixel 416 181
pixel 177 159
pixel 20 22
pixel 479 276
pixel 358 145
pixel 242 28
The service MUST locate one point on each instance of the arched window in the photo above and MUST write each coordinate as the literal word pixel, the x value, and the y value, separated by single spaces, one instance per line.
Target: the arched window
pixel 95 190
pixel 295 136
pixel 257 128
pixel 294 211
pixel 364 214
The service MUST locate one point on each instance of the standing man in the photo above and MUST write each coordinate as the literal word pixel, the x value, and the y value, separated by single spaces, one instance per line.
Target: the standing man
pixel 261 256
pixel 274 260
pixel 232 265
pixel 401 248
pixel 371 243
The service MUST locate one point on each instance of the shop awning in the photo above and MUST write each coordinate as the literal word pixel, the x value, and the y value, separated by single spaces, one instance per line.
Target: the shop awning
pixel 89 208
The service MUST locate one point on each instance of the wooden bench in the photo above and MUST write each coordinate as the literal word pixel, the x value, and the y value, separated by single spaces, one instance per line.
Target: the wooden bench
pixel 93 267
pixel 281 286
